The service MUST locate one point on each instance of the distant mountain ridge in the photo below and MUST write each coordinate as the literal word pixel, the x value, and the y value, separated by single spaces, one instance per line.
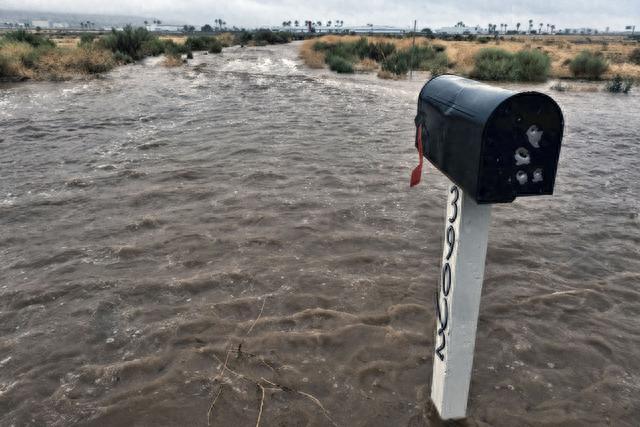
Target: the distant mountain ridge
pixel 7 15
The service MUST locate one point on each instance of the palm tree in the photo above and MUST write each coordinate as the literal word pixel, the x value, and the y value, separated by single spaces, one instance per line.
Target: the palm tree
pixel 319 23
pixel 530 26
pixel 296 23
pixel 517 27
pixel 553 28
pixel 328 23
pixel 540 30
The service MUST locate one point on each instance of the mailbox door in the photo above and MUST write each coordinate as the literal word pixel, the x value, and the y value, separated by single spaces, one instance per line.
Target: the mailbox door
pixel 521 148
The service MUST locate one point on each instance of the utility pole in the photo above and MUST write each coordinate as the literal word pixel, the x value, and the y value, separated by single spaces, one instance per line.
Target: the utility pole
pixel 413 48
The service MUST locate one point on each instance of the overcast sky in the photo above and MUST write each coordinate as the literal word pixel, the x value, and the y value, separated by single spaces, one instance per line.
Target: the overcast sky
pixel 251 13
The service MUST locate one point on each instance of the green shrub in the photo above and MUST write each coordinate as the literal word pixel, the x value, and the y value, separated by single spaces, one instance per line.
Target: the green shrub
pixel 427 58
pixel 86 39
pixel 493 64
pixel 271 37
pixel 34 40
pixel 619 85
pixel 244 37
pixel 360 48
pixel 5 67
pixel 214 46
pixel 499 65
pixel 153 47
pixel 634 56
pixel 531 66
pixel 30 59
pixel 397 63
pixel 129 41
pixel 588 65
pixel 339 64
pixel 122 58
pixel 198 43
pixel 379 51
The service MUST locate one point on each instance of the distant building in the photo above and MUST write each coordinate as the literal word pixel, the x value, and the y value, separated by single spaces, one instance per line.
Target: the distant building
pixel 460 30
pixel 42 23
pixel 580 31
pixel 365 29
pixel 59 25
pixel 165 28
pixel 373 29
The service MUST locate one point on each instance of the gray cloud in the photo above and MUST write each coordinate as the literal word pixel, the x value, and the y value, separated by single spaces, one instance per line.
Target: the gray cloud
pixel 251 13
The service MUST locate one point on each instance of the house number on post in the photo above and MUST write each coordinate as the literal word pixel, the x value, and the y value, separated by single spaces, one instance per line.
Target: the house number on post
pixel 442 310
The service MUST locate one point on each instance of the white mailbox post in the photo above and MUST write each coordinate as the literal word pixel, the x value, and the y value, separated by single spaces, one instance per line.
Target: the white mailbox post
pixel 457 301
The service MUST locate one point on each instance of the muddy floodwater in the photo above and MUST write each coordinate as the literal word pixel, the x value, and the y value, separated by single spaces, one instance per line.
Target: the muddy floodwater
pixel 158 224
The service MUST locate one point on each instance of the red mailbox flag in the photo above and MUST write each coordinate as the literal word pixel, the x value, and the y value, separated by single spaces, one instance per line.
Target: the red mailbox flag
pixel 417 172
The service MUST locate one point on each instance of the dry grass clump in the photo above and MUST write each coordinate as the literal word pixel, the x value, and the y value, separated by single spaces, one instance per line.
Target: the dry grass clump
pixel 172 61
pixel 387 75
pixel 11 60
pixel 65 63
pixel 227 39
pixel 366 65
pixel 311 57
pixel 19 60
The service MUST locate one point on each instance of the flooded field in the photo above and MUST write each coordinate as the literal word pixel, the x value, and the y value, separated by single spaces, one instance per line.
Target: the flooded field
pixel 159 224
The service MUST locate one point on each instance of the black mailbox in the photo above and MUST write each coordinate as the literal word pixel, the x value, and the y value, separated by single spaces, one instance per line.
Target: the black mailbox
pixel 494 143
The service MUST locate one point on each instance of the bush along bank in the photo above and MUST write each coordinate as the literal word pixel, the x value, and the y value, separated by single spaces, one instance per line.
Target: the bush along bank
pixel 517 59
pixel 523 66
pixel 365 55
pixel 589 65
pixel 25 55
pixel 619 85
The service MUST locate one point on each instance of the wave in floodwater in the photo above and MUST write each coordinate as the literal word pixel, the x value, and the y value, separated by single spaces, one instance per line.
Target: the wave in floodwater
pixel 159 224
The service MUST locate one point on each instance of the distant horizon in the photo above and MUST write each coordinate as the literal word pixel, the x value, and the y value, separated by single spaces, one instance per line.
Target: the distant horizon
pixel 268 13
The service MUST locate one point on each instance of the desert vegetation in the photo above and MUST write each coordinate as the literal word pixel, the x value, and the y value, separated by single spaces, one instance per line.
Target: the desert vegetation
pixel 523 66
pixel 618 85
pixel 351 54
pixel 589 65
pixel 515 58
pixel 28 55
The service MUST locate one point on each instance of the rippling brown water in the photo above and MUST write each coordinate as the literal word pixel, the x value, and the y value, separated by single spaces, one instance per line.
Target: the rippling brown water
pixel 156 218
